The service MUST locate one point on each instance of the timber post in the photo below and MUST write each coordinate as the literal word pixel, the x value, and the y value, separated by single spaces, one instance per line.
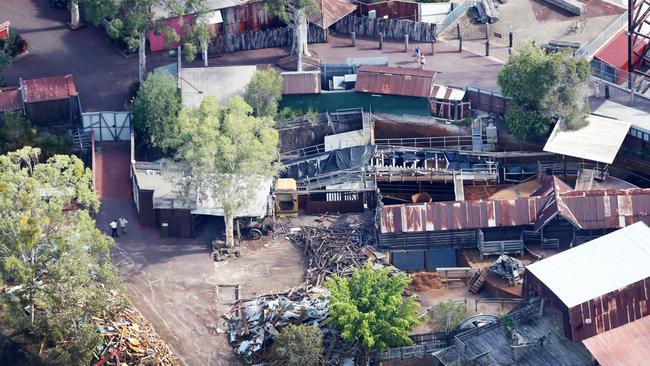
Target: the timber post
pixel 487 47
pixel 353 35
pixel 381 40
pixel 406 43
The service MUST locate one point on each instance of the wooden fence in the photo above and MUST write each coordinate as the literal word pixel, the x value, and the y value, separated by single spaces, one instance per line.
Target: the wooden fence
pixel 258 39
pixel 390 28
pixel 486 100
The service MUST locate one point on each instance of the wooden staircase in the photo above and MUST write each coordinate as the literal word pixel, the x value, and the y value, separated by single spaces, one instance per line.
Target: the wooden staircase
pixel 476 281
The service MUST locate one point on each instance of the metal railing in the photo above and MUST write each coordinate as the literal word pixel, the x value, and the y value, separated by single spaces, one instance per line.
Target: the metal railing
pixel 501 301
pixel 440 142
pixel 589 49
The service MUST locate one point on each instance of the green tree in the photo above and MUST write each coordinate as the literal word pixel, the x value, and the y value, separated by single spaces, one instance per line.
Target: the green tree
pixel 264 92
pixel 447 315
pixel 133 19
pixel 369 308
pixel 543 88
pixel 296 12
pixel 220 146
pixel 155 109
pixel 5 61
pixel 17 131
pixel 298 345
pixel 53 260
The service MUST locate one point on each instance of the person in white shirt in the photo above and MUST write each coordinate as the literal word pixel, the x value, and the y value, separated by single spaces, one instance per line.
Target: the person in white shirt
pixel 123 223
pixel 113 226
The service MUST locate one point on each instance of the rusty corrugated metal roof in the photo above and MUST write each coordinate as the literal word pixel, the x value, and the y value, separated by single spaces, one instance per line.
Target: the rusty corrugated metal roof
pixel 395 81
pixel 50 88
pixel 302 82
pixel 9 99
pixel 442 216
pixel 605 209
pixel 626 345
pixel 331 12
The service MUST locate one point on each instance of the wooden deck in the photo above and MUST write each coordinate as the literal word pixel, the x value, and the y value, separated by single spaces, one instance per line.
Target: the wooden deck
pixel 491 346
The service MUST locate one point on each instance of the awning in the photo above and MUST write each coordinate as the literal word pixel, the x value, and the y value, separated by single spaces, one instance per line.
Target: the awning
pixel 598 141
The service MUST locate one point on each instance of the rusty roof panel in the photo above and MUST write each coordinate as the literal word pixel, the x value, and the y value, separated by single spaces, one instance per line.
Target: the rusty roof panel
pixel 395 81
pixel 331 12
pixel 50 88
pixel 302 82
pixel 9 99
pixel 391 219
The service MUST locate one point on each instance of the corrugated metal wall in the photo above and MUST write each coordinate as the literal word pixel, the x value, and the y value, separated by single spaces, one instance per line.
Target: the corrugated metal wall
pixel 394 10
pixel 598 315
pixel 332 101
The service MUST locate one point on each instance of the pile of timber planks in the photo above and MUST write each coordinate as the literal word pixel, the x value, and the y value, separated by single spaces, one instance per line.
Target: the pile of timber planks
pixel 329 251
pixel 129 339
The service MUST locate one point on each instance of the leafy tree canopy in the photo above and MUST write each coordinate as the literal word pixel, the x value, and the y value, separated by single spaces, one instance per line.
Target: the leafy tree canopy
pixel 298 345
pixel 447 314
pixel 16 132
pixel 156 108
pixel 219 146
pixel 369 308
pixel 544 87
pixel 264 92
pixel 54 260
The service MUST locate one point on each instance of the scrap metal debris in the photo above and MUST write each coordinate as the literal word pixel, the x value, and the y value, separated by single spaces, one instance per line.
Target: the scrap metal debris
pixel 508 268
pixel 129 339
pixel 483 12
pixel 328 251
pixel 252 324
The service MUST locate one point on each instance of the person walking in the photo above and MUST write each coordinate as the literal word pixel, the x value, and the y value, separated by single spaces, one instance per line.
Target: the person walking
pixel 423 61
pixel 123 223
pixel 113 226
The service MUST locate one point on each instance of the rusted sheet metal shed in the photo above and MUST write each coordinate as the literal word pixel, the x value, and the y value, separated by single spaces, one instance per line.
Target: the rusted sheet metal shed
pixel 300 82
pixel 50 100
pixel 465 215
pixel 599 285
pixel 331 12
pixel 627 345
pixel 395 81
pixel 10 99
pixel 586 210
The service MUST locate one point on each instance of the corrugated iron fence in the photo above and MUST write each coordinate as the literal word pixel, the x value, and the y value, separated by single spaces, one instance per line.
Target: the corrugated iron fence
pixel 258 39
pixel 486 100
pixel 391 28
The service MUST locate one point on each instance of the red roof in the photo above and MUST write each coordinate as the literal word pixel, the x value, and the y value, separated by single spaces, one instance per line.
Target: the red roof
pixel 50 88
pixel 615 51
pixel 395 81
pixel 9 98
pixel 331 12
pixel 303 82
pixel 596 209
pixel 626 345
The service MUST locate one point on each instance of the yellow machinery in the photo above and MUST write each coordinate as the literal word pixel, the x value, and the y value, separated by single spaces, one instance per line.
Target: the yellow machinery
pixel 286 204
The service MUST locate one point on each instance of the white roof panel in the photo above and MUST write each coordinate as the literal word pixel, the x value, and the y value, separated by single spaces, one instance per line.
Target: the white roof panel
pixel 639 119
pixel 220 82
pixel 597 267
pixel 598 141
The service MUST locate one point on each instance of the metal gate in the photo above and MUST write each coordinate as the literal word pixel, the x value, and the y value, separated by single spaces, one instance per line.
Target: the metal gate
pixel 108 126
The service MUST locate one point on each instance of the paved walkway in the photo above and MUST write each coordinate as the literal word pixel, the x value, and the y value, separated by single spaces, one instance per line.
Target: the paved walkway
pixel 102 75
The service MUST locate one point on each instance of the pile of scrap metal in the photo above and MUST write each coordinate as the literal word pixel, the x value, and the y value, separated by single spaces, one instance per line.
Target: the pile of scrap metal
pixel 252 324
pixel 335 250
pixel 483 12
pixel 129 339
pixel 508 268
